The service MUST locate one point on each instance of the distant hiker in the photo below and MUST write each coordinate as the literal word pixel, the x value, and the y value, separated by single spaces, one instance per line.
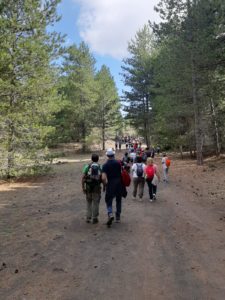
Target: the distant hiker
pixel 148 152
pixel 116 145
pixel 158 149
pixel 165 166
pixel 152 152
pixel 135 146
pixel 111 177
pixel 126 158
pixel 132 155
pixel 91 185
pixel 151 170
pixel 120 144
pixel 144 157
pixel 138 177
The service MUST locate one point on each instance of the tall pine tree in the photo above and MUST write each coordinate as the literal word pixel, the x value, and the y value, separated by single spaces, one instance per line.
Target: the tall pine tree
pixel 138 75
pixel 27 80
pixel 107 113
pixel 79 91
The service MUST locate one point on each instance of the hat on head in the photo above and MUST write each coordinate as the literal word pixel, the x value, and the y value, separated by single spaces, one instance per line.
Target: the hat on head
pixel 110 152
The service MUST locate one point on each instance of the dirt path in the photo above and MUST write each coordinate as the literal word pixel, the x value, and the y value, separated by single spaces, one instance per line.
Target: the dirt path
pixel 171 249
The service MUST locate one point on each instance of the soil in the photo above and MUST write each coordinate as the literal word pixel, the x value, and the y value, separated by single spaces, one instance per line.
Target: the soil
pixel 173 248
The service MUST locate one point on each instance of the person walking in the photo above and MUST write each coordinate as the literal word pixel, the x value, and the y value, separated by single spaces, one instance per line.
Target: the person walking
pixel 132 155
pixel 151 170
pixel 120 144
pixel 112 180
pixel 153 152
pixel 158 149
pixel 91 185
pixel 165 167
pixel 126 158
pixel 138 178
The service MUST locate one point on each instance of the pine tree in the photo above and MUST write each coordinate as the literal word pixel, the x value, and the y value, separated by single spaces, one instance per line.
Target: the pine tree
pixel 107 113
pixel 79 91
pixel 138 76
pixel 191 28
pixel 27 80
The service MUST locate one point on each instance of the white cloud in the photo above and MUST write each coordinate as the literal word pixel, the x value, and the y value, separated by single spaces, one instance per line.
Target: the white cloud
pixel 107 25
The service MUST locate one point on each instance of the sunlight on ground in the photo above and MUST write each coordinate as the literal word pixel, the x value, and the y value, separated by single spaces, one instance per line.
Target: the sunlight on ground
pixel 15 186
pixel 69 160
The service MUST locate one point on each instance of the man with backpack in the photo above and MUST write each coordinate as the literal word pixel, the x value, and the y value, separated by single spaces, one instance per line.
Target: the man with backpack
pixel 138 177
pixel 112 180
pixel 91 185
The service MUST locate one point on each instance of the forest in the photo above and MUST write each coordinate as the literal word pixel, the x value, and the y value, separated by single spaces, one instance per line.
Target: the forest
pixel 53 94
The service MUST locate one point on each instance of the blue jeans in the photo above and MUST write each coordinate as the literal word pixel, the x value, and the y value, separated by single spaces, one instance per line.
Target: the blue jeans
pixel 113 189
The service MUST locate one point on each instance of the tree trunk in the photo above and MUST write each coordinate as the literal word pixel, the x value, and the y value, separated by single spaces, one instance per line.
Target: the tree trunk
pixel 214 118
pixel 181 151
pixel 146 135
pixel 147 125
pixel 197 115
pixel 103 124
pixel 10 152
pixel 83 128
pixel 10 148
pixel 103 136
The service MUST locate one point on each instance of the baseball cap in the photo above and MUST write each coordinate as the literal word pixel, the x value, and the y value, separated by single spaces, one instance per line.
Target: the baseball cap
pixel 110 152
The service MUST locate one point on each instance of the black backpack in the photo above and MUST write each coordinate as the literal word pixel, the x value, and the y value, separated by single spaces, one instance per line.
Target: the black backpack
pixel 94 174
pixel 140 170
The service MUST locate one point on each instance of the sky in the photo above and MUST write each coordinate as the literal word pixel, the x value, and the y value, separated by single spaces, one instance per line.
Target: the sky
pixel 106 26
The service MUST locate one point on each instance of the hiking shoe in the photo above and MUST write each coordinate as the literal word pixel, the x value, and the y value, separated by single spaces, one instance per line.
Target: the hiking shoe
pixel 154 197
pixel 88 220
pixel 117 219
pixel 95 221
pixel 133 198
pixel 150 200
pixel 110 220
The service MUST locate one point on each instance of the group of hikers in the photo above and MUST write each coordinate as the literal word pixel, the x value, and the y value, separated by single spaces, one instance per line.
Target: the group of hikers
pixel 114 176
pixel 133 143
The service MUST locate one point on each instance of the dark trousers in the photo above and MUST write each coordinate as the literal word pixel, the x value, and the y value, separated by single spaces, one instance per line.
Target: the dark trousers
pixel 138 184
pixel 151 188
pixel 114 190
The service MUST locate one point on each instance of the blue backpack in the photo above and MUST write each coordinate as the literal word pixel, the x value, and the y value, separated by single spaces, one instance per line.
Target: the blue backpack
pixel 140 170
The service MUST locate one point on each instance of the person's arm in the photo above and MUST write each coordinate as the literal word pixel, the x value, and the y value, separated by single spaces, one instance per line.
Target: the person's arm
pixel 157 172
pixel 133 169
pixel 104 180
pixel 83 183
pixel 85 172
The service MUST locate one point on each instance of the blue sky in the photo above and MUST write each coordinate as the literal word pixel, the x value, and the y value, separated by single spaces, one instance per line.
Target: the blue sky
pixel 106 26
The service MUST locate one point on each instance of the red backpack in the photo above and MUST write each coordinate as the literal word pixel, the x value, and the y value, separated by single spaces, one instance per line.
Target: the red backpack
pixel 168 161
pixel 125 178
pixel 150 171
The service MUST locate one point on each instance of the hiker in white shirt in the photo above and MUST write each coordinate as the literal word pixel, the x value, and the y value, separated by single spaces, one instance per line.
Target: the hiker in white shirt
pixel 165 168
pixel 138 177
pixel 132 156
